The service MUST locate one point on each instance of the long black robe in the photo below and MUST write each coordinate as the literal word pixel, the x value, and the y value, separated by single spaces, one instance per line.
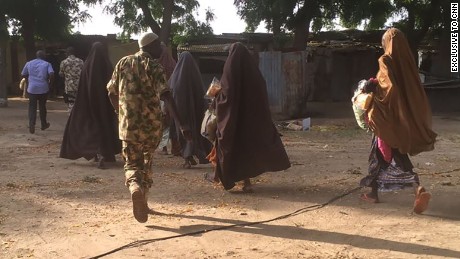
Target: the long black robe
pixel 188 93
pixel 248 143
pixel 92 127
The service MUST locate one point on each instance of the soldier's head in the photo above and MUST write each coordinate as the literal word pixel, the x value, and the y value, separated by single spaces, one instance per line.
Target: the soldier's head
pixel 70 51
pixel 150 43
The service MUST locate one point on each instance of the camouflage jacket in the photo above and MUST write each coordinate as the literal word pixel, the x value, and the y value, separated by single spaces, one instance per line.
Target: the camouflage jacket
pixel 139 80
pixel 70 69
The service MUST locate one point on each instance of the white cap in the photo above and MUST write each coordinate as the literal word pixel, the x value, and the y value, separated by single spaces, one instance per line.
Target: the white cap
pixel 147 38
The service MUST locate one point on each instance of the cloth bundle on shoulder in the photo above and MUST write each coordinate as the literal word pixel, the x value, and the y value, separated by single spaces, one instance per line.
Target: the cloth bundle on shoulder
pixel 209 125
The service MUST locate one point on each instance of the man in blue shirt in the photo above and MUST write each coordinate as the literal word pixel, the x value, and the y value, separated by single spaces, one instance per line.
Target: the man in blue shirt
pixel 40 75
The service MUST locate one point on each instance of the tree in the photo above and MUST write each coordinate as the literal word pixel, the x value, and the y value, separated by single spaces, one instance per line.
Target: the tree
pixel 47 19
pixel 194 30
pixel 3 44
pixel 273 13
pixel 416 17
pixel 297 16
pixel 160 16
pixel 373 14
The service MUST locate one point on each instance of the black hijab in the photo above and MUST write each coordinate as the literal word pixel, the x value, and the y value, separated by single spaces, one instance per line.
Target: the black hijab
pixel 188 92
pixel 92 127
pixel 248 143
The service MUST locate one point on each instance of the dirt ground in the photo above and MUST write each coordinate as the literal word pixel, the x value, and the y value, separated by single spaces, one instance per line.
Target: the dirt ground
pixel 57 208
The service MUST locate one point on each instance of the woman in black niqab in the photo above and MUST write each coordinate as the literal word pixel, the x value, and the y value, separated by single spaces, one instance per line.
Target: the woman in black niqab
pixel 92 127
pixel 188 93
pixel 248 144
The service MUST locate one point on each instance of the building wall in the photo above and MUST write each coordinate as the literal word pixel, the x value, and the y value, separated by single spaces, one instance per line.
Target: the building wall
pixel 334 73
pixel 317 75
pixel 117 50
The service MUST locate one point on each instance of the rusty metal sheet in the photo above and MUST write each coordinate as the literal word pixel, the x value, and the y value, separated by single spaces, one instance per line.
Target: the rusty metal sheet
pixel 270 67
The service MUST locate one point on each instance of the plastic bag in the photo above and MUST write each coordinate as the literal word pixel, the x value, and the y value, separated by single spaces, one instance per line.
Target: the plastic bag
pixel 214 88
pixel 209 125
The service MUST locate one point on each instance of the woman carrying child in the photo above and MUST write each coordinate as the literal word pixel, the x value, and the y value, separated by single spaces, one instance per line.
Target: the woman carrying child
pixel 399 116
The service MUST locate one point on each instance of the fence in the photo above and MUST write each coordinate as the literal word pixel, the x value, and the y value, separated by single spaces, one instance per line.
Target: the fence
pixel 317 75
pixel 287 87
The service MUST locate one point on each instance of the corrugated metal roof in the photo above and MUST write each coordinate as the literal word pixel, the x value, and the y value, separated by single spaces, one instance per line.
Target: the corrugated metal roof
pixel 209 48
pixel 333 44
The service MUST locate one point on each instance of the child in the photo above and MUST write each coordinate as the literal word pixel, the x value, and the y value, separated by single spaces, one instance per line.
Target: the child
pixel 362 100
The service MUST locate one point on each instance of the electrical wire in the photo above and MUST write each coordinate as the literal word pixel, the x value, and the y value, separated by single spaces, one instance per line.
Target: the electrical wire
pixel 143 242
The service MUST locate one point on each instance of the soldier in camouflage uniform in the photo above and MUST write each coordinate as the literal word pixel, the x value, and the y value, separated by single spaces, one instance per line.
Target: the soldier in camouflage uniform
pixel 137 85
pixel 70 69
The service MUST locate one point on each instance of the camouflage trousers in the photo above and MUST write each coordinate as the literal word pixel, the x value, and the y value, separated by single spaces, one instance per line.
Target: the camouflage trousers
pixel 138 162
pixel 70 96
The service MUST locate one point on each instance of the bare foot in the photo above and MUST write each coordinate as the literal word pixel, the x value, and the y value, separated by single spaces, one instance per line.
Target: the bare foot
pixel 164 151
pixel 368 197
pixel 422 198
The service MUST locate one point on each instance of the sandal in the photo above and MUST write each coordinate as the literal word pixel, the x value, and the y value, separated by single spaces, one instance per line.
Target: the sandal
pixel 366 197
pixel 187 164
pixel 422 198
pixel 248 189
pixel 191 160
pixel 247 186
pixel 101 164
pixel 210 178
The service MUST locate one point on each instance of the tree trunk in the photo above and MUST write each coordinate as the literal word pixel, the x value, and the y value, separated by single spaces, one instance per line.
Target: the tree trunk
pixel 28 33
pixel 301 32
pixel 302 23
pixel 3 45
pixel 165 35
pixel 276 27
pixel 148 17
pixel 14 62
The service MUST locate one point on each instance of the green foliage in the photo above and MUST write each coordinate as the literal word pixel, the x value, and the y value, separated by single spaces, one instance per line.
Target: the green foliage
pixel 51 19
pixel 286 14
pixel 189 29
pixel 127 17
pixel 281 40
pixel 274 13
pixel 184 24
pixel 373 14
pixel 415 14
pixel 408 14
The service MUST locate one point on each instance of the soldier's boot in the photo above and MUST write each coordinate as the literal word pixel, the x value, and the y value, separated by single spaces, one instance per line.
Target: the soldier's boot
pixel 140 208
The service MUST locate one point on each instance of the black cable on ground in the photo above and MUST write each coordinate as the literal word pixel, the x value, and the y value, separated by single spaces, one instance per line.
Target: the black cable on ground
pixel 245 224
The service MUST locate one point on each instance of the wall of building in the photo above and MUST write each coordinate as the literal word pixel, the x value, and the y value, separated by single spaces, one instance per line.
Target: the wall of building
pixel 316 75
